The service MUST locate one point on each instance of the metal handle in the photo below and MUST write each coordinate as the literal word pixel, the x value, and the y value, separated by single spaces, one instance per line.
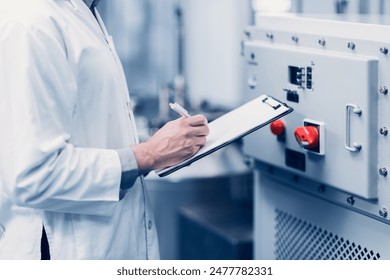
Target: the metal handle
pixel 354 147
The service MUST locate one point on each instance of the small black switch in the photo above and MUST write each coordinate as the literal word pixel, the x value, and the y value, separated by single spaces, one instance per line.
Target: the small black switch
pixel 292 96
pixel 309 77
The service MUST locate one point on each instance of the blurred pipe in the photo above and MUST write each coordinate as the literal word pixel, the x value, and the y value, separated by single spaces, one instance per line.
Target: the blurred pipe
pixel 179 81
pixel 381 7
pixel 341 6
pixel 298 6
pixel 180 38
pixel 364 7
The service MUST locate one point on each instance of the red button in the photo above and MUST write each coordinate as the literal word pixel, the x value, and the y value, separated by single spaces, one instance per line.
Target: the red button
pixel 277 127
pixel 307 136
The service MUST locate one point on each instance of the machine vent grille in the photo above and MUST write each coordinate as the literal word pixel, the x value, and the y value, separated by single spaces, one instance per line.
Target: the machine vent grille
pixel 296 239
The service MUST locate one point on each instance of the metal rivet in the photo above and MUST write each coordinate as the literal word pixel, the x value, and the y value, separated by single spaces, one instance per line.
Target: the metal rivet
pixel 351 45
pixel 383 212
pixel 295 39
pixel 321 189
pixel 383 171
pixel 351 200
pixel 384 50
pixel 322 42
pixel 269 35
pixel 384 131
pixel 384 90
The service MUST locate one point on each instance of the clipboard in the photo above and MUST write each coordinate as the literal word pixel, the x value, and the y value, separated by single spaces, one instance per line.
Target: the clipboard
pixel 235 124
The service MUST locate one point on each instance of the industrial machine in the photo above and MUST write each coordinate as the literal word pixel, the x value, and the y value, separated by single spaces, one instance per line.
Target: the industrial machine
pixel 322 188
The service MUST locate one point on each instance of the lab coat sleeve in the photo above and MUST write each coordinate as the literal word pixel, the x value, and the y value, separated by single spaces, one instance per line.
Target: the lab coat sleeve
pixel 129 168
pixel 39 166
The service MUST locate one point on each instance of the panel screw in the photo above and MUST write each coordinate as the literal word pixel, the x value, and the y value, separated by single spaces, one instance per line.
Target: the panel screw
pixel 295 39
pixel 322 42
pixel 384 131
pixel 383 212
pixel 384 50
pixel 383 90
pixel 351 45
pixel 269 35
pixel 351 200
pixel 383 171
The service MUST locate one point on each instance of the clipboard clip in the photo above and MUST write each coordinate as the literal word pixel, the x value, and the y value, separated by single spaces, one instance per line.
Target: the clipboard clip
pixel 272 102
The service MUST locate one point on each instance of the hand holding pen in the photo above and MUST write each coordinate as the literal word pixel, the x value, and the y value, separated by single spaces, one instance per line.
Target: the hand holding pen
pixel 176 141
pixel 179 109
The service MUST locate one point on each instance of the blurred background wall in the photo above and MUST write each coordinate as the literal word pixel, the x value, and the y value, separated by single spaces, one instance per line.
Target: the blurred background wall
pixel 146 37
pixel 146 31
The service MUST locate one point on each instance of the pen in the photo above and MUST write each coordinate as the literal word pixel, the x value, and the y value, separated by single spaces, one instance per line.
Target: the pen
pixel 179 109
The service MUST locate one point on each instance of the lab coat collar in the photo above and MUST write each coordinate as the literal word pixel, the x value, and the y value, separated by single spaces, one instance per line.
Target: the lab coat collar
pixel 80 6
pixel 88 3
pixel 83 9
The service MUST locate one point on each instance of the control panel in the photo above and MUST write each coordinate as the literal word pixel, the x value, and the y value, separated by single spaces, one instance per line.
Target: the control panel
pixel 337 84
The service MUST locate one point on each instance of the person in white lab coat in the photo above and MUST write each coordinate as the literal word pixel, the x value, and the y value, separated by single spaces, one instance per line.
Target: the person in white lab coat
pixel 71 167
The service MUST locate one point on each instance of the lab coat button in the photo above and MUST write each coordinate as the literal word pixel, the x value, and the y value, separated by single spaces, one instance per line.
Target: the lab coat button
pixel 150 224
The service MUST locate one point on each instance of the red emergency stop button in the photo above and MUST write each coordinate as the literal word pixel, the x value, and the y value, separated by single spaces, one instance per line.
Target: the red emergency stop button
pixel 277 127
pixel 307 136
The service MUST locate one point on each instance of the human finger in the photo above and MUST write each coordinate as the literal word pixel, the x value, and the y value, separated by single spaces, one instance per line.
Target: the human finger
pixel 200 141
pixel 197 120
pixel 201 130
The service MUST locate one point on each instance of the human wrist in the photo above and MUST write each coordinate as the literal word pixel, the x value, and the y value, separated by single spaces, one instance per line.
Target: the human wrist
pixel 143 156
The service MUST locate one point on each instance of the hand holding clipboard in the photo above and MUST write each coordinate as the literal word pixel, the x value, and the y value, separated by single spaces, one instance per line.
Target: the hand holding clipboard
pixel 235 124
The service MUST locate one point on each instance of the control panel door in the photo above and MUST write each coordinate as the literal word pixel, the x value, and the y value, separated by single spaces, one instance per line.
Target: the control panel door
pixel 331 136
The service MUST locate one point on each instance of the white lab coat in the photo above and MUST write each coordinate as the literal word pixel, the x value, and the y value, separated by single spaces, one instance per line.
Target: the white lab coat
pixel 64 109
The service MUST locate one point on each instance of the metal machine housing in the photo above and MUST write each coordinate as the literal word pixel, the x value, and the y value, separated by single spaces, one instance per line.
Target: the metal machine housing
pixel 336 73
